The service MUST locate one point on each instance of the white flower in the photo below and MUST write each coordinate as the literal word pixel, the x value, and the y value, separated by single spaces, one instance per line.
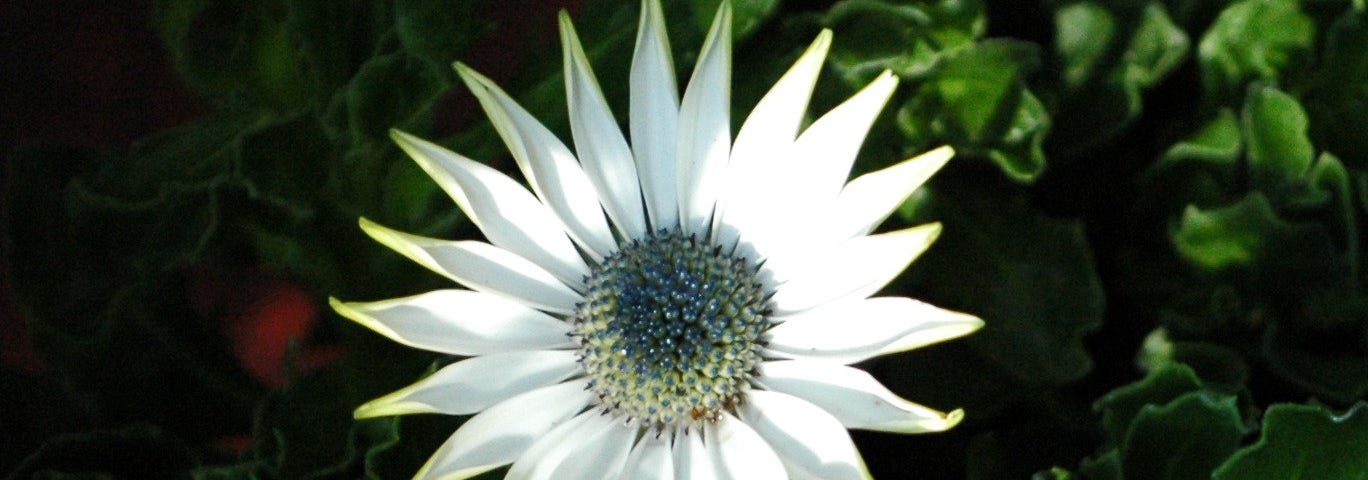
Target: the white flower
pixel 683 307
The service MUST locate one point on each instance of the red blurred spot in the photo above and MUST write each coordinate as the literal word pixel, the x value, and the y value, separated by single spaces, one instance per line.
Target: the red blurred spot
pixel 263 318
pixel 234 444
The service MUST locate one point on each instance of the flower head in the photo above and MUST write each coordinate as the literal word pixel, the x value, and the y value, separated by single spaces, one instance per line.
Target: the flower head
pixel 684 306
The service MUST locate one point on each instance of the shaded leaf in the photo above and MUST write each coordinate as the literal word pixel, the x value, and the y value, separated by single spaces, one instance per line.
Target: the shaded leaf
pixel 1029 276
pixel 389 91
pixel 1305 442
pixel 241 49
pixel 1186 438
pixel 439 32
pixel 1111 54
pixel 746 14
pixel 1337 100
pixel 135 451
pixel 1121 406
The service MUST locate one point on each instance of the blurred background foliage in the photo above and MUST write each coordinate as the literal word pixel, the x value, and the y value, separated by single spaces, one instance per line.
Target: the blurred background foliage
pixel 1156 208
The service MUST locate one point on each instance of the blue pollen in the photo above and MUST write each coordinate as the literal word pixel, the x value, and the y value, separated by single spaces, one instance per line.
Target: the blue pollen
pixel 670 330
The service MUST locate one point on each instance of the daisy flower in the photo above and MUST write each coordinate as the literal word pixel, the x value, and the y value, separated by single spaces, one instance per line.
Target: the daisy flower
pixel 683 306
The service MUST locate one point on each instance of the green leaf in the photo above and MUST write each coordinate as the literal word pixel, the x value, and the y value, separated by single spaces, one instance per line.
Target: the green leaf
pixel 1305 442
pixel 1263 40
pixel 909 39
pixel 1029 276
pixel 1228 237
pixel 1186 438
pixel 1119 407
pixel 1218 144
pixel 1202 170
pixel 976 101
pixel 1157 49
pixel 1083 32
pixel 1250 238
pixel 1275 125
pixel 1329 177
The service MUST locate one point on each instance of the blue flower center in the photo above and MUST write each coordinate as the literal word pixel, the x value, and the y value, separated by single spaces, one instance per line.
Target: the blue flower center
pixel 670 329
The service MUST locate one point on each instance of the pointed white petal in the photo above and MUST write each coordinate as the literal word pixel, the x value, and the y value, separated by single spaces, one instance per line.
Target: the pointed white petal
pixel 868 199
pixel 549 166
pixel 770 129
pixel 774 122
pixel 856 330
pixel 459 322
pixel 853 397
pixel 540 460
pixel 482 267
pixel 858 268
pixel 828 147
pixel 602 455
pixel 505 211
pixel 598 140
pixel 501 434
pixel 474 384
pixel 739 453
pixel 651 459
pixel 691 460
pixel 654 116
pixel 811 443
pixel 705 128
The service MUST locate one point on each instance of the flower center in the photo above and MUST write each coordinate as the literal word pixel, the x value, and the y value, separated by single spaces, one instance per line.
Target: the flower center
pixel 670 329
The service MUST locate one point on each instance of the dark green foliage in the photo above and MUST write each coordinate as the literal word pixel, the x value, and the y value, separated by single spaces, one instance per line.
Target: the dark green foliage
pixel 1155 206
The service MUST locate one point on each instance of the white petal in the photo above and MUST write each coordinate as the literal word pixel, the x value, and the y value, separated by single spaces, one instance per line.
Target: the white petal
pixel 501 434
pixel 482 267
pixel 855 330
pixel 548 165
pixel 651 459
pixel 505 211
pixel 770 128
pixel 602 455
pixel 705 128
pixel 868 199
pixel 811 443
pixel 828 147
pixel 858 268
pixel 739 453
pixel 474 384
pixel 540 460
pixel 459 322
pixel 691 460
pixel 853 397
pixel 654 115
pixel 598 140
